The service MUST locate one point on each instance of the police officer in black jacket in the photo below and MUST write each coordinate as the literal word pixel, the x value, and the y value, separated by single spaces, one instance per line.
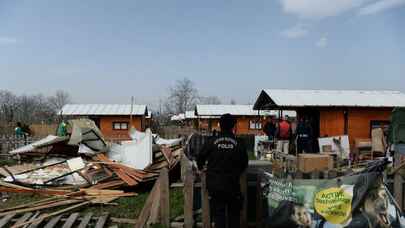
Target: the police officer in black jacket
pixel 227 159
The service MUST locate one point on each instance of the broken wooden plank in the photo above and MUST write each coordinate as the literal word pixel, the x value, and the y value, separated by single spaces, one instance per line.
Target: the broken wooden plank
pixel 6 219
pixel 36 191
pixel 205 202
pixel 145 213
pixel 109 185
pixel 71 220
pixel 52 223
pixel 45 216
pixel 154 210
pixel 36 203
pixel 85 220
pixel 188 192
pixel 164 197
pixel 33 218
pixel 23 219
pixel 36 224
pixel 123 221
pixel 102 221
pixel 57 204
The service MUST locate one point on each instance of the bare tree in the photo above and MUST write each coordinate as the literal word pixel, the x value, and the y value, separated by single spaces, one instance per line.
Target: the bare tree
pixel 210 100
pixel 8 105
pixel 233 102
pixel 59 100
pixel 182 96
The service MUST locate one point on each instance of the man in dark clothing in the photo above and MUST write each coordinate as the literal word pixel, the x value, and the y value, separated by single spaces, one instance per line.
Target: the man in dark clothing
pixel 270 129
pixel 227 159
pixel 304 134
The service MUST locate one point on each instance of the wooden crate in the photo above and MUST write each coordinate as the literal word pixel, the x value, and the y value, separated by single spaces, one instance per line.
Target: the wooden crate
pixel 314 162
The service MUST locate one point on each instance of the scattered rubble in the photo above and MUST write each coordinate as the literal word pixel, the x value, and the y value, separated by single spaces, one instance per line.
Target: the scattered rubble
pixel 82 168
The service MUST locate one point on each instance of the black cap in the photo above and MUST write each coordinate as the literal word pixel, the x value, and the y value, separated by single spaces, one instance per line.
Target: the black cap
pixel 227 122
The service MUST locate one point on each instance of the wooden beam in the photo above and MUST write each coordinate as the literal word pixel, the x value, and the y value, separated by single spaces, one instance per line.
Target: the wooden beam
pixel 56 204
pixel 85 220
pixel 45 216
pixel 52 223
pixel 6 219
pixel 164 197
pixel 102 221
pixel 398 182
pixel 205 202
pixel 71 220
pixel 33 218
pixel 24 218
pixel 188 192
pixel 123 221
pixel 155 208
pixel 145 213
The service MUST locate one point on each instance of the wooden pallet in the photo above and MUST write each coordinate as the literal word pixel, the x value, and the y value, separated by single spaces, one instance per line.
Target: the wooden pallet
pixel 64 221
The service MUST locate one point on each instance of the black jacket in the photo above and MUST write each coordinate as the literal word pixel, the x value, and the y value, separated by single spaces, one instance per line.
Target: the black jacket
pixel 270 129
pixel 227 159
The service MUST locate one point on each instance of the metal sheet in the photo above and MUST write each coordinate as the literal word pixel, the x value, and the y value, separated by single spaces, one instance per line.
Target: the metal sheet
pixel 330 98
pixel 49 140
pixel 103 109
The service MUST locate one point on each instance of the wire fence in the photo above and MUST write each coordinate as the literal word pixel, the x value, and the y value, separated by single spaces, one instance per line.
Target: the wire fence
pixel 11 142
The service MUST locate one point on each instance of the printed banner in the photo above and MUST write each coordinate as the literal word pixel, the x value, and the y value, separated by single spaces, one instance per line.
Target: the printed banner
pixel 352 201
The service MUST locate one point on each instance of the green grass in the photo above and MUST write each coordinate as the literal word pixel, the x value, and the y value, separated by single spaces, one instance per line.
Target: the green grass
pixel 251 155
pixel 128 207
pixel 8 162
pixel 16 199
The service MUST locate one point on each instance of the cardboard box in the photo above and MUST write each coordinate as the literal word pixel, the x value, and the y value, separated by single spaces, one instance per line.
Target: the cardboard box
pixel 314 162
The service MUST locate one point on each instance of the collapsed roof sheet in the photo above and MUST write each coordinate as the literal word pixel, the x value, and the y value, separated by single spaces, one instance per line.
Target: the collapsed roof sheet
pixel 49 140
pixel 136 153
pixel 85 131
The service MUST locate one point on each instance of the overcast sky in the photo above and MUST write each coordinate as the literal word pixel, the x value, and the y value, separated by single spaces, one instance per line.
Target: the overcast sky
pixel 106 51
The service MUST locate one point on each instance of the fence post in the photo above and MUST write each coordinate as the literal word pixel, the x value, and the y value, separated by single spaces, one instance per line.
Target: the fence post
pixel 205 202
pixel 164 197
pixel 188 192
pixel 398 181
pixel 243 184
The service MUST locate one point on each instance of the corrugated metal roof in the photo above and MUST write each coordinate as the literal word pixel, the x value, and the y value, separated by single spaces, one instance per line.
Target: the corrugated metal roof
pixel 218 110
pixel 102 109
pixel 328 98
pixel 190 115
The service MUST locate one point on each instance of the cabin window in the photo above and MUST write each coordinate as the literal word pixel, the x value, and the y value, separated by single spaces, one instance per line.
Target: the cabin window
pixel 120 126
pixel 255 125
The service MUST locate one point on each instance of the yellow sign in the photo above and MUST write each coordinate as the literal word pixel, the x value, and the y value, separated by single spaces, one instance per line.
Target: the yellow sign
pixel 334 204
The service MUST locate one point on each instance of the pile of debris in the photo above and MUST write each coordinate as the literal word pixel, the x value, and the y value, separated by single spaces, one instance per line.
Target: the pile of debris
pixel 84 159
pixel 83 168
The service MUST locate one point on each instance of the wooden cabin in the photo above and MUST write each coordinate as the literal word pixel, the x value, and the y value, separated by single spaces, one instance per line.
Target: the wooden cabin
pixel 248 120
pixel 114 120
pixel 333 112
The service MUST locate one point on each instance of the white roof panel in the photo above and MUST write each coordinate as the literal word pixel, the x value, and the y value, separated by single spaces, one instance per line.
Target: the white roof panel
pixel 218 110
pixel 102 109
pixel 190 115
pixel 347 98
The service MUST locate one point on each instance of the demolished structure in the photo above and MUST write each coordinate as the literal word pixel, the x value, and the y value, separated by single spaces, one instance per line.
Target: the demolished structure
pixel 83 168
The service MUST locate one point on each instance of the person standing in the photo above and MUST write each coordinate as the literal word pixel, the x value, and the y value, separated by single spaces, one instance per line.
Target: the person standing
pixel 18 130
pixel 270 129
pixel 303 137
pixel 226 159
pixel 283 136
